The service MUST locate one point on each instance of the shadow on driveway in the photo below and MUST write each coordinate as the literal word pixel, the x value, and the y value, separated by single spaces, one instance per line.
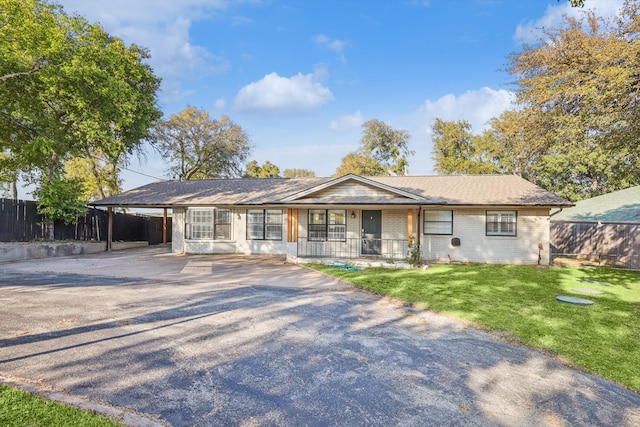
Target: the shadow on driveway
pixel 208 340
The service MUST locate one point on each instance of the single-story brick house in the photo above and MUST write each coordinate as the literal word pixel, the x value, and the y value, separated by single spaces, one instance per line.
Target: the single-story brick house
pixel 466 218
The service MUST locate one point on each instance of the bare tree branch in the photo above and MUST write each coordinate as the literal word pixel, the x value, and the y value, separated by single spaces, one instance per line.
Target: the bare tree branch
pixel 35 67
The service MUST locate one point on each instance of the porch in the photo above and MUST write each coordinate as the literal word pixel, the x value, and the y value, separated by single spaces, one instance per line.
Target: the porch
pixel 367 250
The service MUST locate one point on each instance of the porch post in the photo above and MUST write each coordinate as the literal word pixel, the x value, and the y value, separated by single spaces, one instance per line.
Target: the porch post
pixel 295 225
pixel 164 227
pixel 109 227
pixel 409 224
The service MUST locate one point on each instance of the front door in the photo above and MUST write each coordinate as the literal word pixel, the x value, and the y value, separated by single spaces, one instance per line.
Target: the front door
pixel 371 232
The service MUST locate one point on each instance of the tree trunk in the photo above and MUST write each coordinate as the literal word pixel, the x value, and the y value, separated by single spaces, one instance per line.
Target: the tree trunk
pixel 14 190
pixel 51 176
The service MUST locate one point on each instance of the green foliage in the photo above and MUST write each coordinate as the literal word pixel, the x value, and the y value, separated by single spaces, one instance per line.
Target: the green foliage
pixel 388 146
pixel 68 88
pixel 267 170
pixel 359 164
pixel 520 300
pixel 99 177
pixel 19 409
pixel 383 151
pixel 576 124
pixel 199 147
pixel 578 88
pixel 415 258
pixel 61 200
pixel 457 151
pixel 298 173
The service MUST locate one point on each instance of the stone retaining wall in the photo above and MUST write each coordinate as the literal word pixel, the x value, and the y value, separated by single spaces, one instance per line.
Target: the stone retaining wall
pixel 17 251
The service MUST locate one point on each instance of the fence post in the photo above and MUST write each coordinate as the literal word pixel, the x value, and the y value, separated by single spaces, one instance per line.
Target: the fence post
pixel 164 227
pixel 109 228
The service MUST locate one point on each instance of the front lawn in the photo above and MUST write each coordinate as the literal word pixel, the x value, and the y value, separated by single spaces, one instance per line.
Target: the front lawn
pixel 20 409
pixel 603 338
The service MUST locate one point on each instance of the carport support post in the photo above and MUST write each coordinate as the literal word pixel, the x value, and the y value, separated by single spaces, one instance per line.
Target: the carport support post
pixel 109 228
pixel 164 227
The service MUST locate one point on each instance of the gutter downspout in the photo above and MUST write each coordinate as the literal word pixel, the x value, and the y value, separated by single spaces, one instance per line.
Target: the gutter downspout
pixel 418 226
pixel 556 213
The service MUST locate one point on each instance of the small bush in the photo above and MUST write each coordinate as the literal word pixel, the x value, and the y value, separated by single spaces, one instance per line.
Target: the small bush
pixel 415 257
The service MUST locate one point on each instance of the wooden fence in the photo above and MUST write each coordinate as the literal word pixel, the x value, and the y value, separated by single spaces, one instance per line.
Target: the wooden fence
pixel 617 244
pixel 20 222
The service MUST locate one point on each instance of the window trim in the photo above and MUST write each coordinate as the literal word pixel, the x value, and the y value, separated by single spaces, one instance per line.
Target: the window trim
pixel 425 222
pixel 327 225
pixel 264 225
pixel 213 224
pixel 500 232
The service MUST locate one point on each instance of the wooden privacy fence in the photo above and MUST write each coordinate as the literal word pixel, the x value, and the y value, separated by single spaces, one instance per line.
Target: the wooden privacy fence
pixel 20 222
pixel 615 243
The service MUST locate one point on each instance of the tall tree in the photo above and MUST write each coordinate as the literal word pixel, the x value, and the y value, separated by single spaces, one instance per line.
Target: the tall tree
pixel 67 87
pixel 199 147
pixel 579 89
pixel 383 150
pixel 359 164
pixel 298 173
pixel 458 151
pixel 388 146
pixel 100 177
pixel 267 170
pixel 577 120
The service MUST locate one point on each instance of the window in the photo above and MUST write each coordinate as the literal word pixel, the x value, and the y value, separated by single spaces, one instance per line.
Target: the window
pixel 327 224
pixel 222 226
pixel 264 224
pixel 501 223
pixel 209 224
pixel 438 222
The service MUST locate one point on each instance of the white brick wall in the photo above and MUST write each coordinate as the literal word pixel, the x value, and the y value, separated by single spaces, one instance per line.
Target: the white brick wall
pixel 469 226
pixel 237 244
pixel 394 224
pixel 177 230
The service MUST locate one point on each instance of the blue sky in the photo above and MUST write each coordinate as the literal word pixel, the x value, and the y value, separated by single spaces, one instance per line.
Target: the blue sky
pixel 302 76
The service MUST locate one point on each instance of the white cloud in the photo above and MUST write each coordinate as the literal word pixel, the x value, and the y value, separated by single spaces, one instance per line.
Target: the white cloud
pixel 219 104
pixel 531 31
pixel 335 44
pixel 276 94
pixel 241 20
pixel 163 27
pixel 475 106
pixel 347 123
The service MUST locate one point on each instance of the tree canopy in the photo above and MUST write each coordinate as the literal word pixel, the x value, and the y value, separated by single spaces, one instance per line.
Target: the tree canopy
pixel 267 170
pixel 298 173
pixel 67 89
pixel 576 121
pixel 383 150
pixel 196 146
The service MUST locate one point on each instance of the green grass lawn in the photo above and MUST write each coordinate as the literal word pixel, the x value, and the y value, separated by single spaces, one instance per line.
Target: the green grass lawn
pixel 21 409
pixel 603 338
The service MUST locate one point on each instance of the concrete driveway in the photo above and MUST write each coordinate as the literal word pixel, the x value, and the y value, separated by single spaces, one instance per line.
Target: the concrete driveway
pixel 222 340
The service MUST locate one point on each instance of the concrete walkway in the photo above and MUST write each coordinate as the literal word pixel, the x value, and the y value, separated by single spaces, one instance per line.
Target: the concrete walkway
pixel 221 340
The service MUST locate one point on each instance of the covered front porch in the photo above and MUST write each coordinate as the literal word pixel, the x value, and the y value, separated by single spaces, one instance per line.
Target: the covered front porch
pixel 367 233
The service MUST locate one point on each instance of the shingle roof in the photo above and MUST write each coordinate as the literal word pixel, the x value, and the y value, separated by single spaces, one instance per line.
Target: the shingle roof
pixel 619 206
pixel 468 190
pixel 476 189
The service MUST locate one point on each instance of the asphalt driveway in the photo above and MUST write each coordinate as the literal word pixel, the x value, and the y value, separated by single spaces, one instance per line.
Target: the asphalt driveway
pixel 223 340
